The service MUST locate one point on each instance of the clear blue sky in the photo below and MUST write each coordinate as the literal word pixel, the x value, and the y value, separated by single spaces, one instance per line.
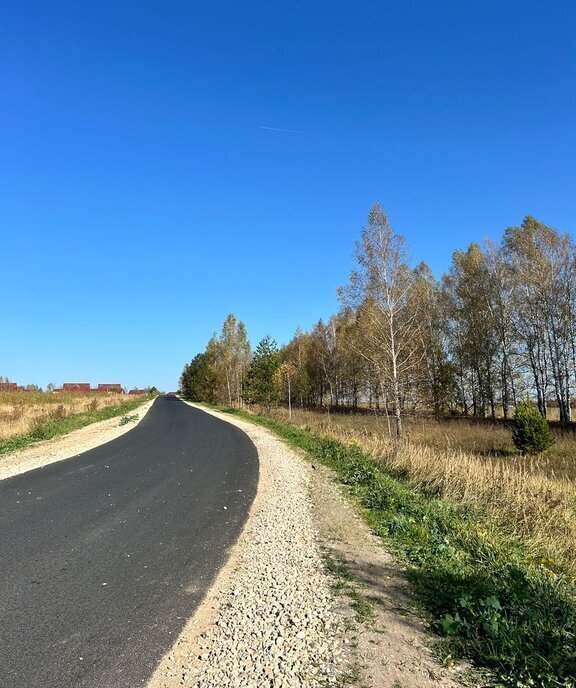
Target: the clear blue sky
pixel 165 163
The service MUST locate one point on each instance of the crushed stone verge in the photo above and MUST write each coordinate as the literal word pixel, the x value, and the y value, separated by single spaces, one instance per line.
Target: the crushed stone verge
pixel 66 446
pixel 270 619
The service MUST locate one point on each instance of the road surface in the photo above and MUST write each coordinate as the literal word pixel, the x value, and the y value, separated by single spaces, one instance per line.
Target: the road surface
pixel 103 557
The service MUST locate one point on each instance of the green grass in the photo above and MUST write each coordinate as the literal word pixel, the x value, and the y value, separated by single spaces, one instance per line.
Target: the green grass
pixel 62 426
pixel 482 588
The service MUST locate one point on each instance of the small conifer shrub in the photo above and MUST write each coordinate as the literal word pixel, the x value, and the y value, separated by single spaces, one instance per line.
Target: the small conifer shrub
pixel 531 433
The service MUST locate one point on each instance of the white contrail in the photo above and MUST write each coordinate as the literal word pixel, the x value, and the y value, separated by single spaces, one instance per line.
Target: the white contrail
pixel 286 131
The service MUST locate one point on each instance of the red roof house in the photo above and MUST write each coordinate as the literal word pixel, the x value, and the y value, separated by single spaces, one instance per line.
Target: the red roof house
pixel 111 387
pixel 76 387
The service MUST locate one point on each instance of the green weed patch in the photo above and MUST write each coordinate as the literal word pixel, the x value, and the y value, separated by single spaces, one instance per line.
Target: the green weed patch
pixel 128 419
pixel 484 592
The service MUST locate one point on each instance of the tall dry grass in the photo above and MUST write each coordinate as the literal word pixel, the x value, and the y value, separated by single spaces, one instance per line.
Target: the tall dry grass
pixel 476 464
pixel 20 412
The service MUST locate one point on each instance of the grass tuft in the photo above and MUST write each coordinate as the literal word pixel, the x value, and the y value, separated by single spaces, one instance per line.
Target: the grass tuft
pixel 345 584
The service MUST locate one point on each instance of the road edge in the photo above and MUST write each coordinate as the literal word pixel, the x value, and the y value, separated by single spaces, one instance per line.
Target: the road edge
pixel 189 642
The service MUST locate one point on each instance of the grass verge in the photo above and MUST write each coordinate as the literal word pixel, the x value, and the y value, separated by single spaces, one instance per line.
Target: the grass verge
pixel 62 426
pixel 484 591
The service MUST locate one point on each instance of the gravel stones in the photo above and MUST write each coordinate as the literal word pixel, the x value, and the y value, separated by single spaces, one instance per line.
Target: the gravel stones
pixel 275 624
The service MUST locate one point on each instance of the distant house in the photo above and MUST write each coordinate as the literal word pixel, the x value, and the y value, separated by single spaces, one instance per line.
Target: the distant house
pixel 76 387
pixel 8 387
pixel 137 391
pixel 111 387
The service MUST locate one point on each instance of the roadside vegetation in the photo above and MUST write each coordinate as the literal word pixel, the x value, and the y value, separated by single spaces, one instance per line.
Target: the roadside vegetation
pixel 445 405
pixel 528 495
pixel 31 416
pixel 494 597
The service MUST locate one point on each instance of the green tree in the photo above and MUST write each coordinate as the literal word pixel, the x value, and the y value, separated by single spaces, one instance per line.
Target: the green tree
pixel 198 379
pixel 261 387
pixel 531 433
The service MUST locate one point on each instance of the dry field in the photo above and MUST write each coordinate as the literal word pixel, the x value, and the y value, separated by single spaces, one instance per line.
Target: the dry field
pixel 22 411
pixel 475 463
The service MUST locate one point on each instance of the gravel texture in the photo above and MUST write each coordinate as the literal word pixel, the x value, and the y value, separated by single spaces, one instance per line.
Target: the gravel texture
pixel 271 619
pixel 65 446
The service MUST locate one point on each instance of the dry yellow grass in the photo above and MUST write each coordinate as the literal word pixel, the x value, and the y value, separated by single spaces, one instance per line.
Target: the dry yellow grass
pixel 535 497
pixel 22 411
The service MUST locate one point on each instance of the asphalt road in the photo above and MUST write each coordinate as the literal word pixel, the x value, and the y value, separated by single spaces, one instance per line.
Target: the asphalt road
pixel 103 557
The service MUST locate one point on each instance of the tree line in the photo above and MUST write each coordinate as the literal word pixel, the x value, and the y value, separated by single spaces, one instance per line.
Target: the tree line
pixel 498 327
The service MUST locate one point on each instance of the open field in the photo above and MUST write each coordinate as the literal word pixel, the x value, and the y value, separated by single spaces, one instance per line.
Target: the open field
pixel 21 413
pixel 490 441
pixel 476 464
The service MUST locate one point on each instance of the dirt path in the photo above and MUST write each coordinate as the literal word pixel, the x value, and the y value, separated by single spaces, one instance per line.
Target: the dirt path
pixel 392 642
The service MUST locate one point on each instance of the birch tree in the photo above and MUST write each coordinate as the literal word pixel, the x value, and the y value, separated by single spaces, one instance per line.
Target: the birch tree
pixel 235 357
pixel 502 318
pixel 285 376
pixel 381 290
pixel 467 295
pixel 542 264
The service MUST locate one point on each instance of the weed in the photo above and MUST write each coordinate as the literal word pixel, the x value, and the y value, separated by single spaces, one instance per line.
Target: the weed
pixel 352 674
pixel 128 419
pixel 345 584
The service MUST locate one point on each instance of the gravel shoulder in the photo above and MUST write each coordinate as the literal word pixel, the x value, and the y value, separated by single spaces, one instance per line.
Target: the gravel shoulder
pixel 269 618
pixel 276 617
pixel 66 446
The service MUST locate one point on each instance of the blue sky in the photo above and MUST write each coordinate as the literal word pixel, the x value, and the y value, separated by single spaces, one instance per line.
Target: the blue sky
pixel 165 163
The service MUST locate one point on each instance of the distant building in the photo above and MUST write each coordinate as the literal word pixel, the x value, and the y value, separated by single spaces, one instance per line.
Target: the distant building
pixel 111 387
pixel 137 391
pixel 8 387
pixel 76 387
